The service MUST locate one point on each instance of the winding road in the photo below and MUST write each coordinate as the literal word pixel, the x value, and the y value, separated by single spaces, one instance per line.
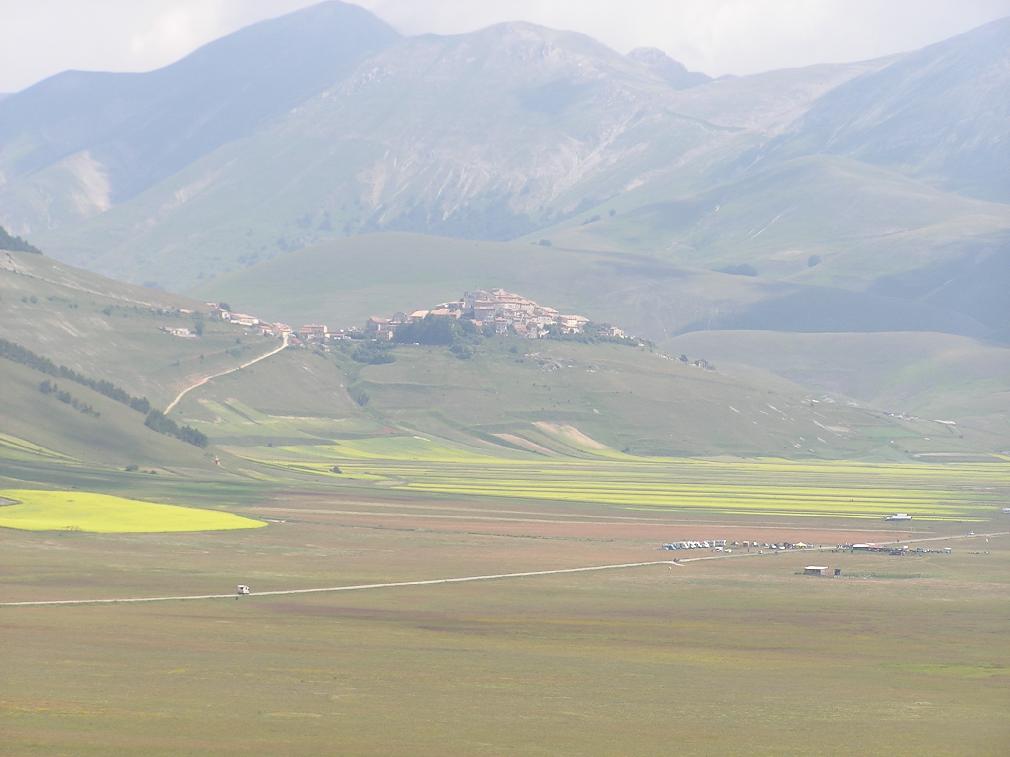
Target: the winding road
pixel 464 579
pixel 206 379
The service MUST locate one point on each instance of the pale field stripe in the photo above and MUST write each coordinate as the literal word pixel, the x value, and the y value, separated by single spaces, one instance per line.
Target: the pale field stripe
pixel 464 579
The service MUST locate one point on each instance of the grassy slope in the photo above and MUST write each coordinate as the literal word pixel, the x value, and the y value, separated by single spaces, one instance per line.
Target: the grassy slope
pixel 116 438
pixel 539 399
pixel 296 397
pixel 864 222
pixel 932 375
pixel 343 282
pixel 106 329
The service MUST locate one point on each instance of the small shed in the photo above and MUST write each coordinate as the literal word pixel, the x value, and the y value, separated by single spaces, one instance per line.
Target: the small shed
pixel 815 570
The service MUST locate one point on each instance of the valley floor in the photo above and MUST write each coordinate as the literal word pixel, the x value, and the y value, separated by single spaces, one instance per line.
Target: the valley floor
pixel 725 655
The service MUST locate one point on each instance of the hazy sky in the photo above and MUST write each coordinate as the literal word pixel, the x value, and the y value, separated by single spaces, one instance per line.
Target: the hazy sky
pixel 43 37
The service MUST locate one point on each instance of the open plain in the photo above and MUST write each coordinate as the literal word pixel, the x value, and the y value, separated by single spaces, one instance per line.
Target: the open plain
pixel 734 653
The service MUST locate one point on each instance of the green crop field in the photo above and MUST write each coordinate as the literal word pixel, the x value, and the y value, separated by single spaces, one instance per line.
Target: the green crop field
pixel 954 491
pixel 41 510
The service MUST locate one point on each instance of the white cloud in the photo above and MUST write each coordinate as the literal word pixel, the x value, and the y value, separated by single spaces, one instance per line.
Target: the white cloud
pixel 43 37
pixel 172 34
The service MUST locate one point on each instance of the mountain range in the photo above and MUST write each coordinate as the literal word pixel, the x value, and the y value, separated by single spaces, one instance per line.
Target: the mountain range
pixel 873 193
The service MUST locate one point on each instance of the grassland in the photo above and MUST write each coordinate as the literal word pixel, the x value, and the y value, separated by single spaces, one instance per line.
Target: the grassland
pixel 43 510
pixel 904 652
pixel 338 282
pixel 109 330
pixel 935 376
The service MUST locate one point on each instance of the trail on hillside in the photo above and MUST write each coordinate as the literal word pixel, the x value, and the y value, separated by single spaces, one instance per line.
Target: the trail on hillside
pixel 465 579
pixel 213 376
pixel 12 268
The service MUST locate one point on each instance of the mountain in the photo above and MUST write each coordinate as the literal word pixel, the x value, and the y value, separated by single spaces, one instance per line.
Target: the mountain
pixel 79 143
pixel 828 222
pixel 488 135
pixel 671 71
pixel 940 114
pixel 518 132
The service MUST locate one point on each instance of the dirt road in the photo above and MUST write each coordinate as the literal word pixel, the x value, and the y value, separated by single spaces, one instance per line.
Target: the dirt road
pixel 465 579
pixel 205 379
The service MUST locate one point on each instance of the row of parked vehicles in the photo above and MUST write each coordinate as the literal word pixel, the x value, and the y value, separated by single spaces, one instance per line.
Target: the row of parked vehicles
pixel 708 544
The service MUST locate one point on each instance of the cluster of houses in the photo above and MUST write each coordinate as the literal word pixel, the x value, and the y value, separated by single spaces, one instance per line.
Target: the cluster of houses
pixel 311 332
pixel 492 311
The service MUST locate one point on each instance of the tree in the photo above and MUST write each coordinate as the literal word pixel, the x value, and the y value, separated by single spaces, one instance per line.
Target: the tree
pixel 15 244
pixel 373 353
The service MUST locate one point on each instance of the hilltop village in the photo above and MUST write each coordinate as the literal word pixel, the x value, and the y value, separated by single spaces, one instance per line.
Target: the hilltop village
pixel 493 312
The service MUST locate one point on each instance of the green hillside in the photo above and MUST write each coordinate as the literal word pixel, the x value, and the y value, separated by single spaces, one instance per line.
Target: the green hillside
pixel 88 340
pixel 343 282
pixel 40 428
pixel 545 397
pixel 862 223
pixel 933 376
pixel 109 330
pixel 513 397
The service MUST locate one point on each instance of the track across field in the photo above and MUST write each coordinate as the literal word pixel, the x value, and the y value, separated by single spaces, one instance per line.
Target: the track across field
pixel 463 579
